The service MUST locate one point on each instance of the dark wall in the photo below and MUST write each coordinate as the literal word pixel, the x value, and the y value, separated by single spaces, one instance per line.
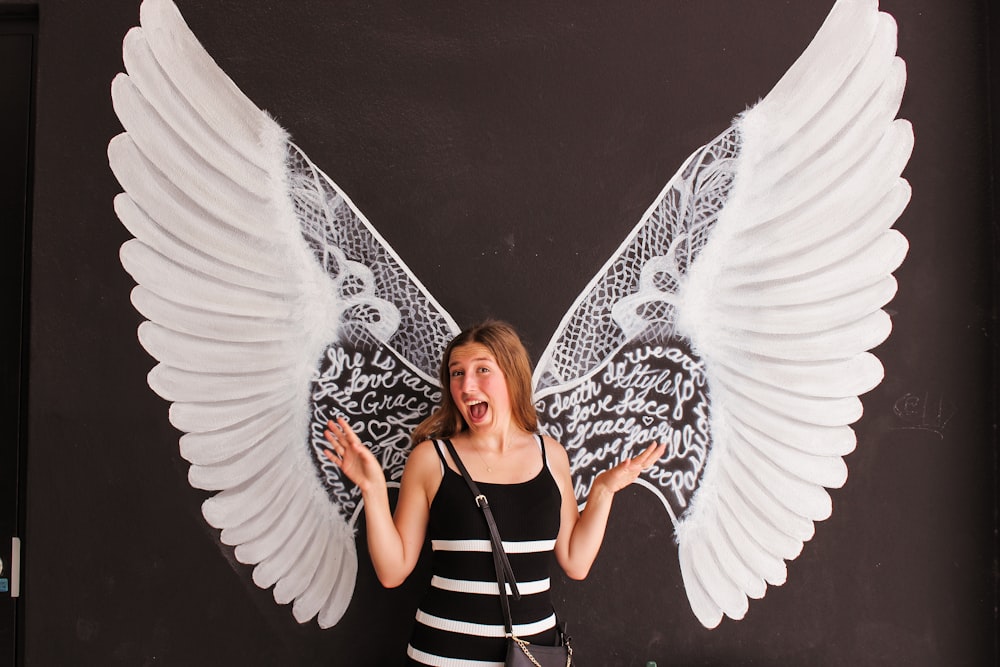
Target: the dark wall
pixel 504 152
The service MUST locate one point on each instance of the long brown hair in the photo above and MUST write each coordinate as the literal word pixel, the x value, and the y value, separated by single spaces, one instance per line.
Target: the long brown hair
pixel 505 345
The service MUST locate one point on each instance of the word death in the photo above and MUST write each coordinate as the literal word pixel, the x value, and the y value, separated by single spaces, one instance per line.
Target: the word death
pixel 636 397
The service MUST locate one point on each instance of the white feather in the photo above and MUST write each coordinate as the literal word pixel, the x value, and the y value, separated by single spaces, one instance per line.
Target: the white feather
pixel 716 580
pixel 197 321
pixel 262 522
pixel 772 538
pixel 234 506
pixel 822 378
pixel 167 244
pixel 821 241
pixel 299 558
pixel 324 579
pixel 207 89
pixel 336 564
pixel 175 384
pixel 343 571
pixel 161 200
pixel 242 468
pixel 208 188
pixel 180 284
pixel 731 562
pixel 826 470
pixel 268 543
pixel 707 610
pixel 769 567
pixel 788 521
pixel 822 68
pixel 169 103
pixel 224 443
pixel 812 316
pixel 787 402
pixel 303 571
pixel 238 309
pixel 785 300
pixel 211 356
pixel 219 416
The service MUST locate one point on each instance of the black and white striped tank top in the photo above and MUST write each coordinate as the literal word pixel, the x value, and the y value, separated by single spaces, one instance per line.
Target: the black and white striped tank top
pixel 460 621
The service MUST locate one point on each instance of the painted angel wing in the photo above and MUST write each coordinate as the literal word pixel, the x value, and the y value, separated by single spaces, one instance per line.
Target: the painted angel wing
pixel 271 305
pixel 737 316
pixel 616 375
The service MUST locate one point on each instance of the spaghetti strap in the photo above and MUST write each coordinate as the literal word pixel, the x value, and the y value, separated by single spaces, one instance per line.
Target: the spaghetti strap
pixel 439 448
pixel 541 445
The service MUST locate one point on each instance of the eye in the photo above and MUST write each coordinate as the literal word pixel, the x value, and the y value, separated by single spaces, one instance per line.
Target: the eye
pixel 484 369
pixel 457 373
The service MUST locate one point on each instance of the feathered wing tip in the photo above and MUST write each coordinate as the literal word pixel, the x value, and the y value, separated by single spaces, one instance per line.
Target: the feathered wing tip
pixel 785 301
pixel 238 310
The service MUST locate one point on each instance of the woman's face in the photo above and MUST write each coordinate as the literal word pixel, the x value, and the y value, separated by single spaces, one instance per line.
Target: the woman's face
pixel 478 387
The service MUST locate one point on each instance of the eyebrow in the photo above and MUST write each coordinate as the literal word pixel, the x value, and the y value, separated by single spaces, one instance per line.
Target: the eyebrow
pixel 456 363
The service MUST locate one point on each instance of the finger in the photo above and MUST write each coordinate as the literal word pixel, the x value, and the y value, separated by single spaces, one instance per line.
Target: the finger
pixel 649 456
pixel 335 428
pixel 347 435
pixel 334 440
pixel 345 427
pixel 636 462
pixel 652 453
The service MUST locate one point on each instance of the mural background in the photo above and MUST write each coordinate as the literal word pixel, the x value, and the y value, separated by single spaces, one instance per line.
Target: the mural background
pixel 504 153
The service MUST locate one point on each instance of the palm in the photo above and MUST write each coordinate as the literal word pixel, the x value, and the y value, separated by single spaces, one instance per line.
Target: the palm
pixel 627 471
pixel 354 459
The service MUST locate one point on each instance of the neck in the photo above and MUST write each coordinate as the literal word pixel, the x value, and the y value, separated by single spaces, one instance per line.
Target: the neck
pixel 495 439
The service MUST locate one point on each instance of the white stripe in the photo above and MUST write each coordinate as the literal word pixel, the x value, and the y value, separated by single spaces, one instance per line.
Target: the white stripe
pixel 529 547
pixel 483 630
pixel 488 587
pixel 437 661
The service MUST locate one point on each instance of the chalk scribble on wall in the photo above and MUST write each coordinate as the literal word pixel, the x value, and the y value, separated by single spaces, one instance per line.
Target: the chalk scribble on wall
pixel 734 321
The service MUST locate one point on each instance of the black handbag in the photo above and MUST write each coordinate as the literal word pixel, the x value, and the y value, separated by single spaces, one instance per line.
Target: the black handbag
pixel 519 652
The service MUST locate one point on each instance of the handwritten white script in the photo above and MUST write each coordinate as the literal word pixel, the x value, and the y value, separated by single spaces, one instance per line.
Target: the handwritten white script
pixel 382 399
pixel 640 395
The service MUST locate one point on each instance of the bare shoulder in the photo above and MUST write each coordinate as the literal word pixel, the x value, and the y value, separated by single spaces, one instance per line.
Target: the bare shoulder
pixel 423 470
pixel 555 452
pixel 558 462
pixel 423 456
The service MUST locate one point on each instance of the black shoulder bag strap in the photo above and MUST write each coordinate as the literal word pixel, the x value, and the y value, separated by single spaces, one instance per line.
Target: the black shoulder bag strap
pixel 500 561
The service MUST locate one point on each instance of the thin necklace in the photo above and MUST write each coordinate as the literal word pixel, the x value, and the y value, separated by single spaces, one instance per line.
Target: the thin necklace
pixel 475 448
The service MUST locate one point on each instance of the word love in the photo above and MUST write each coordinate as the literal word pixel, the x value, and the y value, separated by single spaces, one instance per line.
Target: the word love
pixel 640 395
pixel 382 399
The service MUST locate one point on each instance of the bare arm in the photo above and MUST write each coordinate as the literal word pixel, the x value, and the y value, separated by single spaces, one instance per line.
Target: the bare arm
pixel 394 541
pixel 581 534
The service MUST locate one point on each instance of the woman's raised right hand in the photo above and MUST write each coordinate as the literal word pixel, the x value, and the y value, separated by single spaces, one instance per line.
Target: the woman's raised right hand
pixel 349 454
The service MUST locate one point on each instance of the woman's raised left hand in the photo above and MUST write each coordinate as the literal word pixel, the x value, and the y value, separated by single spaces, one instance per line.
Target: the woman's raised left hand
pixel 626 472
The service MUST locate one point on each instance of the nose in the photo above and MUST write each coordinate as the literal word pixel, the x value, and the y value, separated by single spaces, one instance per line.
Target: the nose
pixel 468 383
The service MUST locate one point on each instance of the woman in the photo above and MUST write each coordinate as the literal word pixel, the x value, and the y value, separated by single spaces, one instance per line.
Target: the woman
pixel 487 413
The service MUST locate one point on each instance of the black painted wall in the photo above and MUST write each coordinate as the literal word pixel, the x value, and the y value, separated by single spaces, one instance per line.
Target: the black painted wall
pixel 504 151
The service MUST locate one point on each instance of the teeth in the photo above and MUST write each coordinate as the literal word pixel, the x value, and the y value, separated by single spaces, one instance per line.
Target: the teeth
pixel 474 409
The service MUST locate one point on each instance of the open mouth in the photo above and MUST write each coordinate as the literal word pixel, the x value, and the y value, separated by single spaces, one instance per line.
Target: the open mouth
pixel 477 410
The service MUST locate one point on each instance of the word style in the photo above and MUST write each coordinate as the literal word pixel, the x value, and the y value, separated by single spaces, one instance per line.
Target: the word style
pixel 638 396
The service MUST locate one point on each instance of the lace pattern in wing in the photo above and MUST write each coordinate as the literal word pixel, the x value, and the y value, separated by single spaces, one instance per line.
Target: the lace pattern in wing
pixel 380 369
pixel 370 278
pixel 632 299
